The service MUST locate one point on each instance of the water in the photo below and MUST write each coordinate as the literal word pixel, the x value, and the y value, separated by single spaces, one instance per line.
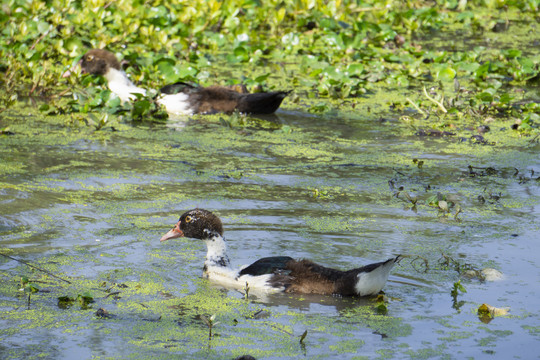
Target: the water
pixel 91 206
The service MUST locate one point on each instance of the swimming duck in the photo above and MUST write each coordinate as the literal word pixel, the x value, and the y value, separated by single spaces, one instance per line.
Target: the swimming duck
pixel 278 273
pixel 179 98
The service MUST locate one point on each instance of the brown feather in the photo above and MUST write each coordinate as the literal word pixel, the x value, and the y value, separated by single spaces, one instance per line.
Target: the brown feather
pixel 305 276
pixel 218 99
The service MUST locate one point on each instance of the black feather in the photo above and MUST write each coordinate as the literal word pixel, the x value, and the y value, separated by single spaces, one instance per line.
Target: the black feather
pixel 267 265
pixel 261 103
pixel 177 88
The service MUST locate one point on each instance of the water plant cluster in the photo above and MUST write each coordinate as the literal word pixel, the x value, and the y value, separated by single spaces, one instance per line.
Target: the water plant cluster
pixel 331 53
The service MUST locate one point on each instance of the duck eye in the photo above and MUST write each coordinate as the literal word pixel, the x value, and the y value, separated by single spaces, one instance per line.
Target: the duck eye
pixel 90 58
pixel 188 219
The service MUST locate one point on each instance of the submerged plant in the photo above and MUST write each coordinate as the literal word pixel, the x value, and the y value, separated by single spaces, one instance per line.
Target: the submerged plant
pixel 28 288
pixel 457 288
pixel 380 305
pixel 210 323
pixel 443 205
pixel 85 299
pixel 302 343
pixel 246 291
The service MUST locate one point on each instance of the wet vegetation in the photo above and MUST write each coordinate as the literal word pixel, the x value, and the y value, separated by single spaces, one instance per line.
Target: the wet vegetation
pixel 333 54
pixel 413 128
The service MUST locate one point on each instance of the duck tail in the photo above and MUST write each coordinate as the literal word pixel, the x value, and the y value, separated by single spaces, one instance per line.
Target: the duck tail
pixel 262 103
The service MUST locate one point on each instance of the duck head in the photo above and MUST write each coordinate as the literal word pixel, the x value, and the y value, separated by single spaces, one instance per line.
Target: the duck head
pixel 196 224
pixel 96 62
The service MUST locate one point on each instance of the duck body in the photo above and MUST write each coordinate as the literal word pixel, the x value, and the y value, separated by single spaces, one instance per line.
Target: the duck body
pixel 278 273
pixel 180 98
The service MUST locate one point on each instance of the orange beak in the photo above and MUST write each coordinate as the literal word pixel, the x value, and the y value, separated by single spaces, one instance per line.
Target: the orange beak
pixel 174 233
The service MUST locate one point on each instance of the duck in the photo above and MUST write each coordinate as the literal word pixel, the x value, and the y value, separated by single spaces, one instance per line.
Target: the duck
pixel 277 273
pixel 179 98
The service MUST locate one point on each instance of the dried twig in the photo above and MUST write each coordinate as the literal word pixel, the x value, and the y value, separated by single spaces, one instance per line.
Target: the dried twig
pixel 35 267
pixel 438 103
pixel 416 107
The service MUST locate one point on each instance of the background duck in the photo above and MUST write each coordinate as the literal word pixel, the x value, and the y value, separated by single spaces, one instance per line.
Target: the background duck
pixel 279 273
pixel 179 98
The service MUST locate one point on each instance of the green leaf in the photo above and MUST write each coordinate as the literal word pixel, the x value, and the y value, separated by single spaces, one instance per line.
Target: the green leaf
pixel 262 78
pixel 241 53
pixel 43 27
pixel 140 108
pixel 446 74
pixel 355 69
pixel 527 65
pixel 381 308
pixel 483 70
pixel 333 73
pixel 303 336
pixel 512 53
pixel 31 288
pixel 168 70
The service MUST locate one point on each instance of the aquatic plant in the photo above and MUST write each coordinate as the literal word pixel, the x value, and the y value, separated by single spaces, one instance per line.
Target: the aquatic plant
pixel 335 52
pixel 456 289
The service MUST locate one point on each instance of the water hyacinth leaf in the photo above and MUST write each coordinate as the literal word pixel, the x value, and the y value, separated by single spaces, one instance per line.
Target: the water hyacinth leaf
pixel 470 67
pixel 355 69
pixel 333 73
pixel 279 15
pixel 187 72
pixel 114 102
pixel 483 70
pixel 527 65
pixel 241 54
pixel 465 16
pixel 512 53
pixel 140 108
pixel 446 74
pixel 315 73
pixel 167 68
pixel 43 26
pixel 328 23
pixel 505 98
pixel 73 45
pixel 261 78
pixel 485 96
